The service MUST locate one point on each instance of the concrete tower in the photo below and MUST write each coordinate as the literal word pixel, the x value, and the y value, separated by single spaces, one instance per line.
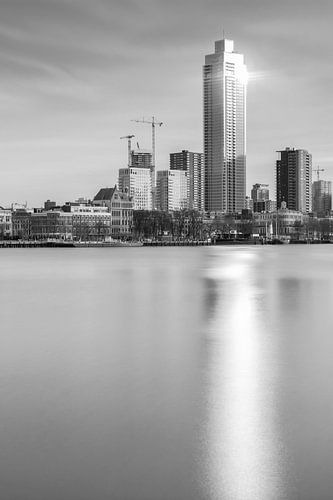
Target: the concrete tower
pixel 224 93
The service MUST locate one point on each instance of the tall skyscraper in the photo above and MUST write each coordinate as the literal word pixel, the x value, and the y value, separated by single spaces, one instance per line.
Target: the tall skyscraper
pixel 322 197
pixel 294 179
pixel 192 163
pixel 224 93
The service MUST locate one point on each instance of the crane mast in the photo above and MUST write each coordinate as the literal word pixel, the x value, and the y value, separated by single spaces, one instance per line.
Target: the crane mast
pixel 128 137
pixel 318 170
pixel 153 124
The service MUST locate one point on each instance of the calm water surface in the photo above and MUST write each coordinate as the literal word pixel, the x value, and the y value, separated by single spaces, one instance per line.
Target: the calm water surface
pixel 171 373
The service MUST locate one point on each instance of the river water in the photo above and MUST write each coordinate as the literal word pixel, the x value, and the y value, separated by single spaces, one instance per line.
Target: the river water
pixel 167 373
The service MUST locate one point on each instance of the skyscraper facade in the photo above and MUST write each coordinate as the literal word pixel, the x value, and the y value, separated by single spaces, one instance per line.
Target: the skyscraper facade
pixel 171 190
pixel 322 197
pixel 224 94
pixel 137 182
pixel 294 179
pixel 192 163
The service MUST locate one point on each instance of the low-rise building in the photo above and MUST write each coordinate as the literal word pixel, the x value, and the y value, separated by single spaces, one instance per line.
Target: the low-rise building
pixel 120 205
pixel 90 223
pixel 5 223
pixel 278 223
pixel 21 224
pixel 53 224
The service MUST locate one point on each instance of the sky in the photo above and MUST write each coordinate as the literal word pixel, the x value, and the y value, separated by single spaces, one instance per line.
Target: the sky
pixel 74 73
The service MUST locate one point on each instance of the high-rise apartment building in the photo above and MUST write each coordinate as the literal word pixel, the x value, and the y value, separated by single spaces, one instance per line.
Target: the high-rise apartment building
pixel 137 182
pixel 171 190
pixel 192 163
pixel 224 93
pixel 294 179
pixel 322 197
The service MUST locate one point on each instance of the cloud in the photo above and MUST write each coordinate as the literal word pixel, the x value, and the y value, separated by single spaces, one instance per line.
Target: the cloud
pixel 76 72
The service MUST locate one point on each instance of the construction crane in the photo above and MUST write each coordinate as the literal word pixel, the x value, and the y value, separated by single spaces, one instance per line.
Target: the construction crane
pixel 153 124
pixel 128 137
pixel 318 170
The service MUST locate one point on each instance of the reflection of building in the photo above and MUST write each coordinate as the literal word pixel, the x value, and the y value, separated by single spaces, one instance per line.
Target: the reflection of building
pixel 120 206
pixel 192 163
pixel 171 190
pixel 137 181
pixel 322 197
pixel 294 179
pixel 224 82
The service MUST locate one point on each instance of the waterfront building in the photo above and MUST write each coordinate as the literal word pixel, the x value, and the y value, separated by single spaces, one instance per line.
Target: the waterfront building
pixel 53 224
pixel 90 223
pixel 294 179
pixel 224 91
pixel 120 205
pixel 322 197
pixel 137 182
pixel 21 224
pixel 5 223
pixel 171 190
pixel 192 163
pixel 282 222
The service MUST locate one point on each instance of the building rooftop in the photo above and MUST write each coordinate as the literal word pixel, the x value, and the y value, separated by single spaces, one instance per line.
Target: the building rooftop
pixel 104 194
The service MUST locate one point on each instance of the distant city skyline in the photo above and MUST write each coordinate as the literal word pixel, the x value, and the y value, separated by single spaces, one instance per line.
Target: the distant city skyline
pixel 75 73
